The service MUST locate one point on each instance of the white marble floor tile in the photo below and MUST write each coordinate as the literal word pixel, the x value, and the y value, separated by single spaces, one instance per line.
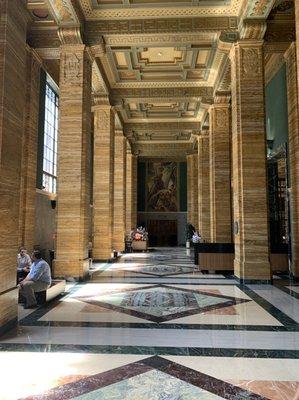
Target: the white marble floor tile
pixel 156 338
pixel 281 300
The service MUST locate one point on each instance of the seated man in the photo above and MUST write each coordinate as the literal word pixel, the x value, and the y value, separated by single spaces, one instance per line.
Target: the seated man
pixel 38 279
pixel 23 264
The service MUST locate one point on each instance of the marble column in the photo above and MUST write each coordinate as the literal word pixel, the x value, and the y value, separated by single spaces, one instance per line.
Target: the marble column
pixel 293 122
pixel 131 191
pixel 220 190
pixel 204 223
pixel 249 162
pixel 29 155
pixel 103 180
pixel 192 176
pixel 73 162
pixel 13 59
pixel 120 170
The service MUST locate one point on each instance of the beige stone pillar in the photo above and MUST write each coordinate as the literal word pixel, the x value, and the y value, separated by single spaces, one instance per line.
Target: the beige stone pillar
pixel 293 120
pixel 13 57
pixel 220 190
pixel 204 216
pixel 192 187
pixel 249 162
pixel 29 155
pixel 120 170
pixel 297 35
pixel 73 162
pixel 131 191
pixel 103 180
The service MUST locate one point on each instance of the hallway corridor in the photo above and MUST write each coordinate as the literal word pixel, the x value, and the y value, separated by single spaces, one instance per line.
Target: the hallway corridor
pixel 152 327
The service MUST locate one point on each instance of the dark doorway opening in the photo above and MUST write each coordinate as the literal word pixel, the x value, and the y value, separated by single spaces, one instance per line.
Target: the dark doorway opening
pixel 162 233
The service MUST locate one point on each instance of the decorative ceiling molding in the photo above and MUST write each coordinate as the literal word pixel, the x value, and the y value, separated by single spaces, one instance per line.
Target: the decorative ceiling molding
pixel 202 38
pixel 233 8
pixel 152 127
pixel 164 149
pixel 253 28
pixel 63 12
pixel 167 92
pixel 152 26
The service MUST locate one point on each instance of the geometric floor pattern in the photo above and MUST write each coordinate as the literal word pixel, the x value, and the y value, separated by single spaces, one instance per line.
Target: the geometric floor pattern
pixel 151 326
pixel 160 303
pixel 165 379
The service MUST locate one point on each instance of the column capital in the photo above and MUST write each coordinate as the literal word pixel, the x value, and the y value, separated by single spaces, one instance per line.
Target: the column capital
pixel 70 35
pixel 253 28
pixel 99 50
pixel 100 102
pixel 222 99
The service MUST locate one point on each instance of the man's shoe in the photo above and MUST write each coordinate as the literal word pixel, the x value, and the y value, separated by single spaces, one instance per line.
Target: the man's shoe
pixel 28 307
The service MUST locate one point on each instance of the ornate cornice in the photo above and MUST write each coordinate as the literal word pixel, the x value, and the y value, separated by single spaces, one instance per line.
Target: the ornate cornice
pixel 161 127
pixel 153 26
pixel 148 39
pixel 168 92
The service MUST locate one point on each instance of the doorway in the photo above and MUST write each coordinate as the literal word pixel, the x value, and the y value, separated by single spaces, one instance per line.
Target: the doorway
pixel 163 233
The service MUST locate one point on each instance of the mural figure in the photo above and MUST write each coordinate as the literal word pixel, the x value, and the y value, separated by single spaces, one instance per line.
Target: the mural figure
pixel 162 187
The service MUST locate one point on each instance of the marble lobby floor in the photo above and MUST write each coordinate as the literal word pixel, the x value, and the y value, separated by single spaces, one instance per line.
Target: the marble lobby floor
pixel 152 327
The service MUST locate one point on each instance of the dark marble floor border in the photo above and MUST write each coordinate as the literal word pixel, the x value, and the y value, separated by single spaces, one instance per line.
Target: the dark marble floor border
pixel 176 351
pixel 279 315
pixel 288 291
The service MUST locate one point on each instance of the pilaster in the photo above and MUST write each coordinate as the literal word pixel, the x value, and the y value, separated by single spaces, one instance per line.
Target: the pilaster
pixel 13 59
pixel 293 121
pixel 103 179
pixel 131 191
pixel 204 216
pixel 220 190
pixel 74 162
pixel 249 162
pixel 192 176
pixel 120 169
pixel 29 155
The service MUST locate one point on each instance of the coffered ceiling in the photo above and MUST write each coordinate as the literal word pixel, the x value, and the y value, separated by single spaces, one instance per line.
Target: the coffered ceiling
pixel 158 61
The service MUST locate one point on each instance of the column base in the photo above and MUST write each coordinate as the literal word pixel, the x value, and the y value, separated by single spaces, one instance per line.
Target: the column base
pixel 77 269
pixel 295 269
pixel 102 255
pixel 252 272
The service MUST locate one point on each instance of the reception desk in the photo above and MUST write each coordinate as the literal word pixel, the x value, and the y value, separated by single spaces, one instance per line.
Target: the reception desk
pixel 214 256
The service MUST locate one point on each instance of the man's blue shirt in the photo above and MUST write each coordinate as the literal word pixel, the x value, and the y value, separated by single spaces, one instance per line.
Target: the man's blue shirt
pixel 40 272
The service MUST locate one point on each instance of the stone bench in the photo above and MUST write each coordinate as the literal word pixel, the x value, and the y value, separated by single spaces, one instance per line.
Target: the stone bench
pixel 57 287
